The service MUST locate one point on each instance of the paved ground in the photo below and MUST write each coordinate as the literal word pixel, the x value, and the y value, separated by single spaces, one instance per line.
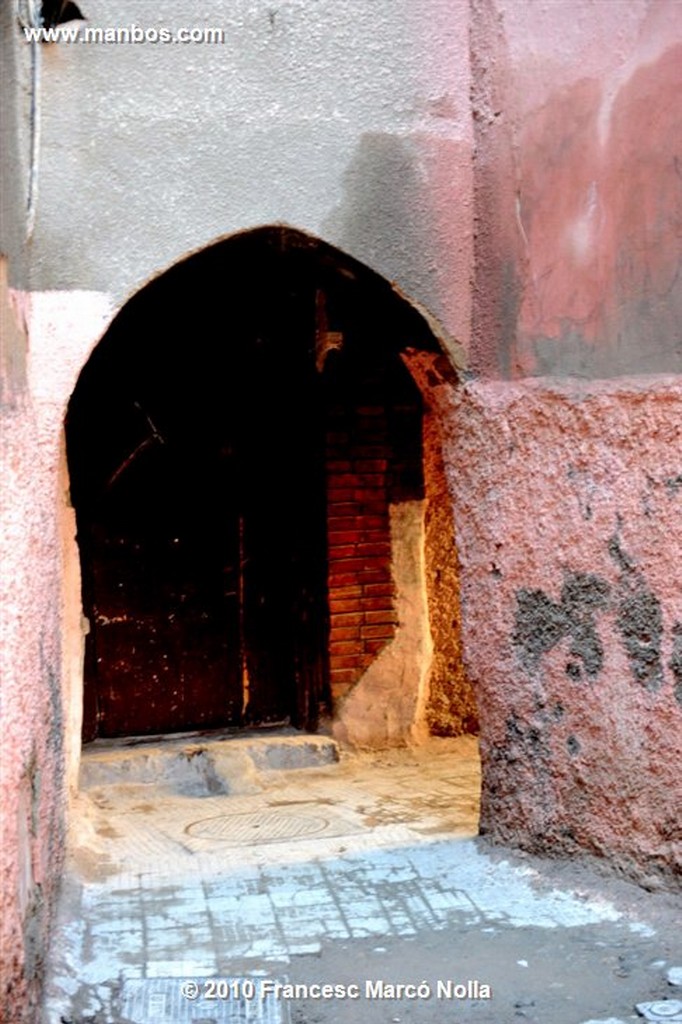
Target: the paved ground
pixel 214 873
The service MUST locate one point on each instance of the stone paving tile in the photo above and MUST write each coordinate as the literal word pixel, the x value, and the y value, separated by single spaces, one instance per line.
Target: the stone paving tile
pixel 194 915
pixel 272 912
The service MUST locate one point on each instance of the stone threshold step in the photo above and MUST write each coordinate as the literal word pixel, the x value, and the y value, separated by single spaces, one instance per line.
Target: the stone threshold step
pixel 203 764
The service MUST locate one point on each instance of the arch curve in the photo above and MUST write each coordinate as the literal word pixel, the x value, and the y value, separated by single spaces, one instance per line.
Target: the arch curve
pixel 288 238
pixel 251 407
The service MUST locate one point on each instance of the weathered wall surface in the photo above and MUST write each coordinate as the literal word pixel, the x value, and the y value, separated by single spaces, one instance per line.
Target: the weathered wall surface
pixel 451 709
pixel 346 120
pixel 31 772
pixel 578 188
pixel 37 625
pixel 566 497
pixel 568 501
pixel 387 705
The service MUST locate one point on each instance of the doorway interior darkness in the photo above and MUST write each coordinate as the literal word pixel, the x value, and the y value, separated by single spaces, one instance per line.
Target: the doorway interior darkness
pixel 235 442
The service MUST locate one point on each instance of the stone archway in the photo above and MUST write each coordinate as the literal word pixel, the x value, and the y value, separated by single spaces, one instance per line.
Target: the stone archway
pixel 247 459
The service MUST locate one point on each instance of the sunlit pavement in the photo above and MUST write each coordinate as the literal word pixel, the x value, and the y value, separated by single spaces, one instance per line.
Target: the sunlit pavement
pixel 366 858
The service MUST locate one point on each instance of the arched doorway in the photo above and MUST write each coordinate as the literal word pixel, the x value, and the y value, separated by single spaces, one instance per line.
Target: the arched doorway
pixel 236 443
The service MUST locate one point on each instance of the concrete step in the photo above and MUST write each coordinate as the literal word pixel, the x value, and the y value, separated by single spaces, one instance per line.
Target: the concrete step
pixel 203 764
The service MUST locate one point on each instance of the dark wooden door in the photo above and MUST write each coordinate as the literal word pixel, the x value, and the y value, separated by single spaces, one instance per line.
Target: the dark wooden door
pixel 203 538
pixel 284 535
pixel 162 561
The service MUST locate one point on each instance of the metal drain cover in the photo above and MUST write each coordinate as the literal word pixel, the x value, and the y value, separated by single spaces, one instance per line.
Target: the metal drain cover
pixel 257 827
pixel 175 1001
pixel 664 1009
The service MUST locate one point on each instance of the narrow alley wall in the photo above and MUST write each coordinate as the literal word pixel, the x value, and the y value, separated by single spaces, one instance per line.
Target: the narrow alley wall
pixel 569 532
pixel 564 455
pixel 39 623
pixel 577 195
pixel 31 773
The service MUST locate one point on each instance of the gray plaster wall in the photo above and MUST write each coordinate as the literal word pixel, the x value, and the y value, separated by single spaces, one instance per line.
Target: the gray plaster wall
pixel 348 119
pixel 15 116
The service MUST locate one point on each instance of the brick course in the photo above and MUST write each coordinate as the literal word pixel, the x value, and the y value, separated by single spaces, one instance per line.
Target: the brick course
pixel 373 460
pixel 360 584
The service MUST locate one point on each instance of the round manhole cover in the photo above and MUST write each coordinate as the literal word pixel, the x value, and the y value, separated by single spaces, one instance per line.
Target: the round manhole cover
pixel 257 827
pixel 666 1009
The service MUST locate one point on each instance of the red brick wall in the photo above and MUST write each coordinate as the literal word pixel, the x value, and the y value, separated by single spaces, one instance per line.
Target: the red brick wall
pixel 361 604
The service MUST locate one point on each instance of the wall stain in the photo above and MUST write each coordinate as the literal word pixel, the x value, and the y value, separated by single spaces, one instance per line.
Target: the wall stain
pixel 527 742
pixel 639 621
pixel 673 485
pixel 573 746
pixel 618 555
pixel 675 663
pixel 542 623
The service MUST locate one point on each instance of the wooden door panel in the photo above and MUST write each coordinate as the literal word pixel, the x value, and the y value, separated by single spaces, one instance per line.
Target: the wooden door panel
pixel 204 534
pixel 137 681
pixel 164 649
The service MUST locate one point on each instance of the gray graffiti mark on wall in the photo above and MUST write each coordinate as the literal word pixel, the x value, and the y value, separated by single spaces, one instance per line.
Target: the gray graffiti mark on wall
pixel 639 620
pixel 640 623
pixel 526 744
pixel 675 663
pixel 541 623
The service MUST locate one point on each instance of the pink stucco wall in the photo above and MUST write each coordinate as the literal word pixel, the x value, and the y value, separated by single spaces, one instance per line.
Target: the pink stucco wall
pixel 31 766
pixel 568 508
pixel 39 748
pixel 578 188
pixel 566 495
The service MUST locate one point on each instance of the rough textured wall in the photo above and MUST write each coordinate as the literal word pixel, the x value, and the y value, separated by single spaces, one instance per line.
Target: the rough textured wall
pixel 353 122
pixel 568 501
pixel 31 773
pixel 350 121
pixel 387 706
pixel 36 702
pixel 451 709
pixel 566 496
pixel 578 197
